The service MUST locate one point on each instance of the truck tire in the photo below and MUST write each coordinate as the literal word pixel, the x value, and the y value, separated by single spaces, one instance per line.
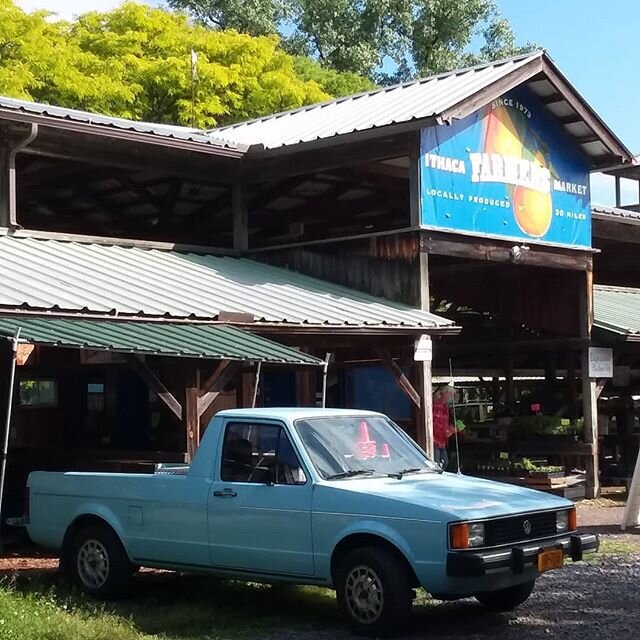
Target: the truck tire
pixel 98 563
pixel 506 599
pixel 373 588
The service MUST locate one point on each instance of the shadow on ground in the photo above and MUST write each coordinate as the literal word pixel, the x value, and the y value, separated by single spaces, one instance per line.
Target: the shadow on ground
pixel 584 601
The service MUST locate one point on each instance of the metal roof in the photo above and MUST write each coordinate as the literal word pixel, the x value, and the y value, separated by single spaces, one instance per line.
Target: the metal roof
pixel 617 309
pixel 600 212
pixel 388 105
pixel 437 100
pixel 131 281
pixel 169 339
pixel 162 130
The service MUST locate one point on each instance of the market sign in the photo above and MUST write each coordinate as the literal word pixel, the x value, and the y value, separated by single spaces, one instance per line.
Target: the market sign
pixel 510 171
pixel 423 351
pixel 600 362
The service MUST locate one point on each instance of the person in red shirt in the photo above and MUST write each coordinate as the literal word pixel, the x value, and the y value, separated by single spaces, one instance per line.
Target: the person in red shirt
pixel 443 427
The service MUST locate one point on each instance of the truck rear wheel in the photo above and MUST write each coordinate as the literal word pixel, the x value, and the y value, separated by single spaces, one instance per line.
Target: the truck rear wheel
pixel 374 592
pixel 98 563
pixel 506 599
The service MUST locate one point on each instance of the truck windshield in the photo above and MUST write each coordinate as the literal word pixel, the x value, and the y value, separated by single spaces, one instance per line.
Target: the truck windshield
pixel 352 446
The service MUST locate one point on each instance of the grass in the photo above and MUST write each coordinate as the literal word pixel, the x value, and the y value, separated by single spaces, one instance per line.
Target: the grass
pixel 621 545
pixel 167 607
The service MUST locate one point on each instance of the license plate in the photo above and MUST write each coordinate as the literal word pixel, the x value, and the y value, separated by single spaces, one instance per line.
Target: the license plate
pixel 550 559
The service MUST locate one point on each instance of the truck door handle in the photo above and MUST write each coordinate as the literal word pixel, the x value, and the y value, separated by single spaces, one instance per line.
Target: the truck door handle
pixel 225 493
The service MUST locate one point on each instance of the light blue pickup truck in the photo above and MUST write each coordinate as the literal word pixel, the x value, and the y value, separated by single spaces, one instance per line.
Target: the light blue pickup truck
pixel 330 497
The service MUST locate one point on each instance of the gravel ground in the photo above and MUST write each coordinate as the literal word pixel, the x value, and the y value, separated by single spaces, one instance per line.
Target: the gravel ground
pixel 582 602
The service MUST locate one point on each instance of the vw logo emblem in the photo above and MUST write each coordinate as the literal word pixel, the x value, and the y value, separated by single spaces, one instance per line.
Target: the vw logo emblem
pixel 526 527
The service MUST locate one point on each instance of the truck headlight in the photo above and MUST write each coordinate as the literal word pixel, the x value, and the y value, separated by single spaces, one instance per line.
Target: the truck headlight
pixel 466 535
pixel 566 521
pixel 476 534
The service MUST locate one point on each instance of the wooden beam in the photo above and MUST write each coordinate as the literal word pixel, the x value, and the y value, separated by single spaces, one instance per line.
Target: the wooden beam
pixel 305 388
pixel 191 413
pixel 263 197
pixel 240 217
pixel 489 93
pixel 399 376
pixel 554 98
pixel 362 147
pixel 368 177
pixel 423 369
pixel 500 251
pixel 209 384
pixel 4 185
pixel 614 146
pixel 215 384
pixel 155 384
pixel 589 389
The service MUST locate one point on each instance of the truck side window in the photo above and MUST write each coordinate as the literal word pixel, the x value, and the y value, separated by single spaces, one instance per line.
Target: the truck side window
pixel 259 453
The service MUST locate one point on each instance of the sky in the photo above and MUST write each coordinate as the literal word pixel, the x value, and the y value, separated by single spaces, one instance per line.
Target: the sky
pixel 594 42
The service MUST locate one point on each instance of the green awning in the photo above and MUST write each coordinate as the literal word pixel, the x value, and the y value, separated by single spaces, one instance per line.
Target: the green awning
pixel 219 342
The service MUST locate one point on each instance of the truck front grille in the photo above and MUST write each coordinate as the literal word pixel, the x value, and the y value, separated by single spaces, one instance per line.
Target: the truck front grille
pixel 514 529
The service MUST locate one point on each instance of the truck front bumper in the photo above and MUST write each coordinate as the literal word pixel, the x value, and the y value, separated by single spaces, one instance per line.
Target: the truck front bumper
pixel 517 559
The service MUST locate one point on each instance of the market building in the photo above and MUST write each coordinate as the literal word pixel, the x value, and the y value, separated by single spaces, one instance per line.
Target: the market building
pixel 454 207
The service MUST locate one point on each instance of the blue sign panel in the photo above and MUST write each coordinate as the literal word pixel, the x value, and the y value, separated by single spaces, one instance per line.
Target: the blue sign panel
pixel 509 170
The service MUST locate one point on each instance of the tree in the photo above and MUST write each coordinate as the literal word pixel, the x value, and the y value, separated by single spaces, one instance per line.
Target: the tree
pixel 135 62
pixel 385 40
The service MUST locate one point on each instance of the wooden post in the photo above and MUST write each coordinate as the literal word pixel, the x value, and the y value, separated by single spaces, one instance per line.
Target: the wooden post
pixel 155 384
pixel 305 384
pixel 618 196
pixel 240 217
pixel 589 393
pixel 191 417
pixel 423 370
pixel 571 383
pixel 402 380
pixel 510 395
pixel 4 186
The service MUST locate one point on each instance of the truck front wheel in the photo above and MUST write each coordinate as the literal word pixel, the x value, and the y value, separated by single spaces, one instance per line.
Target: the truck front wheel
pixel 506 599
pixel 374 592
pixel 98 562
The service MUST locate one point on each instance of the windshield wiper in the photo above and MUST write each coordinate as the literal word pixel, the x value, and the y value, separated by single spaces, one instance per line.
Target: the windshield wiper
pixel 351 473
pixel 404 472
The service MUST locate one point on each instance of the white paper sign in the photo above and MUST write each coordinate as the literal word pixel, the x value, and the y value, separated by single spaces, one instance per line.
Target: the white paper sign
pixel 423 350
pixel 600 362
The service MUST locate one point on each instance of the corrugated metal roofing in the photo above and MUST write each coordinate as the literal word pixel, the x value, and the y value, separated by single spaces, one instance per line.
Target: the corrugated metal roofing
pixel 86 117
pixel 170 339
pixel 600 212
pixel 415 100
pixel 131 281
pixel 617 309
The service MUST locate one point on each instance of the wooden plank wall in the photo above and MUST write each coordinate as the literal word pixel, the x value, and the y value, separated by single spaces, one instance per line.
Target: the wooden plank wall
pixel 383 267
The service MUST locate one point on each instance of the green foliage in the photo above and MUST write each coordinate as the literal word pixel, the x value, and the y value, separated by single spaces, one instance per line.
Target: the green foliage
pixel 333 82
pixel 414 37
pixel 523 426
pixel 161 607
pixel 135 62
pixel 532 467
pixel 256 17
pixel 32 616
